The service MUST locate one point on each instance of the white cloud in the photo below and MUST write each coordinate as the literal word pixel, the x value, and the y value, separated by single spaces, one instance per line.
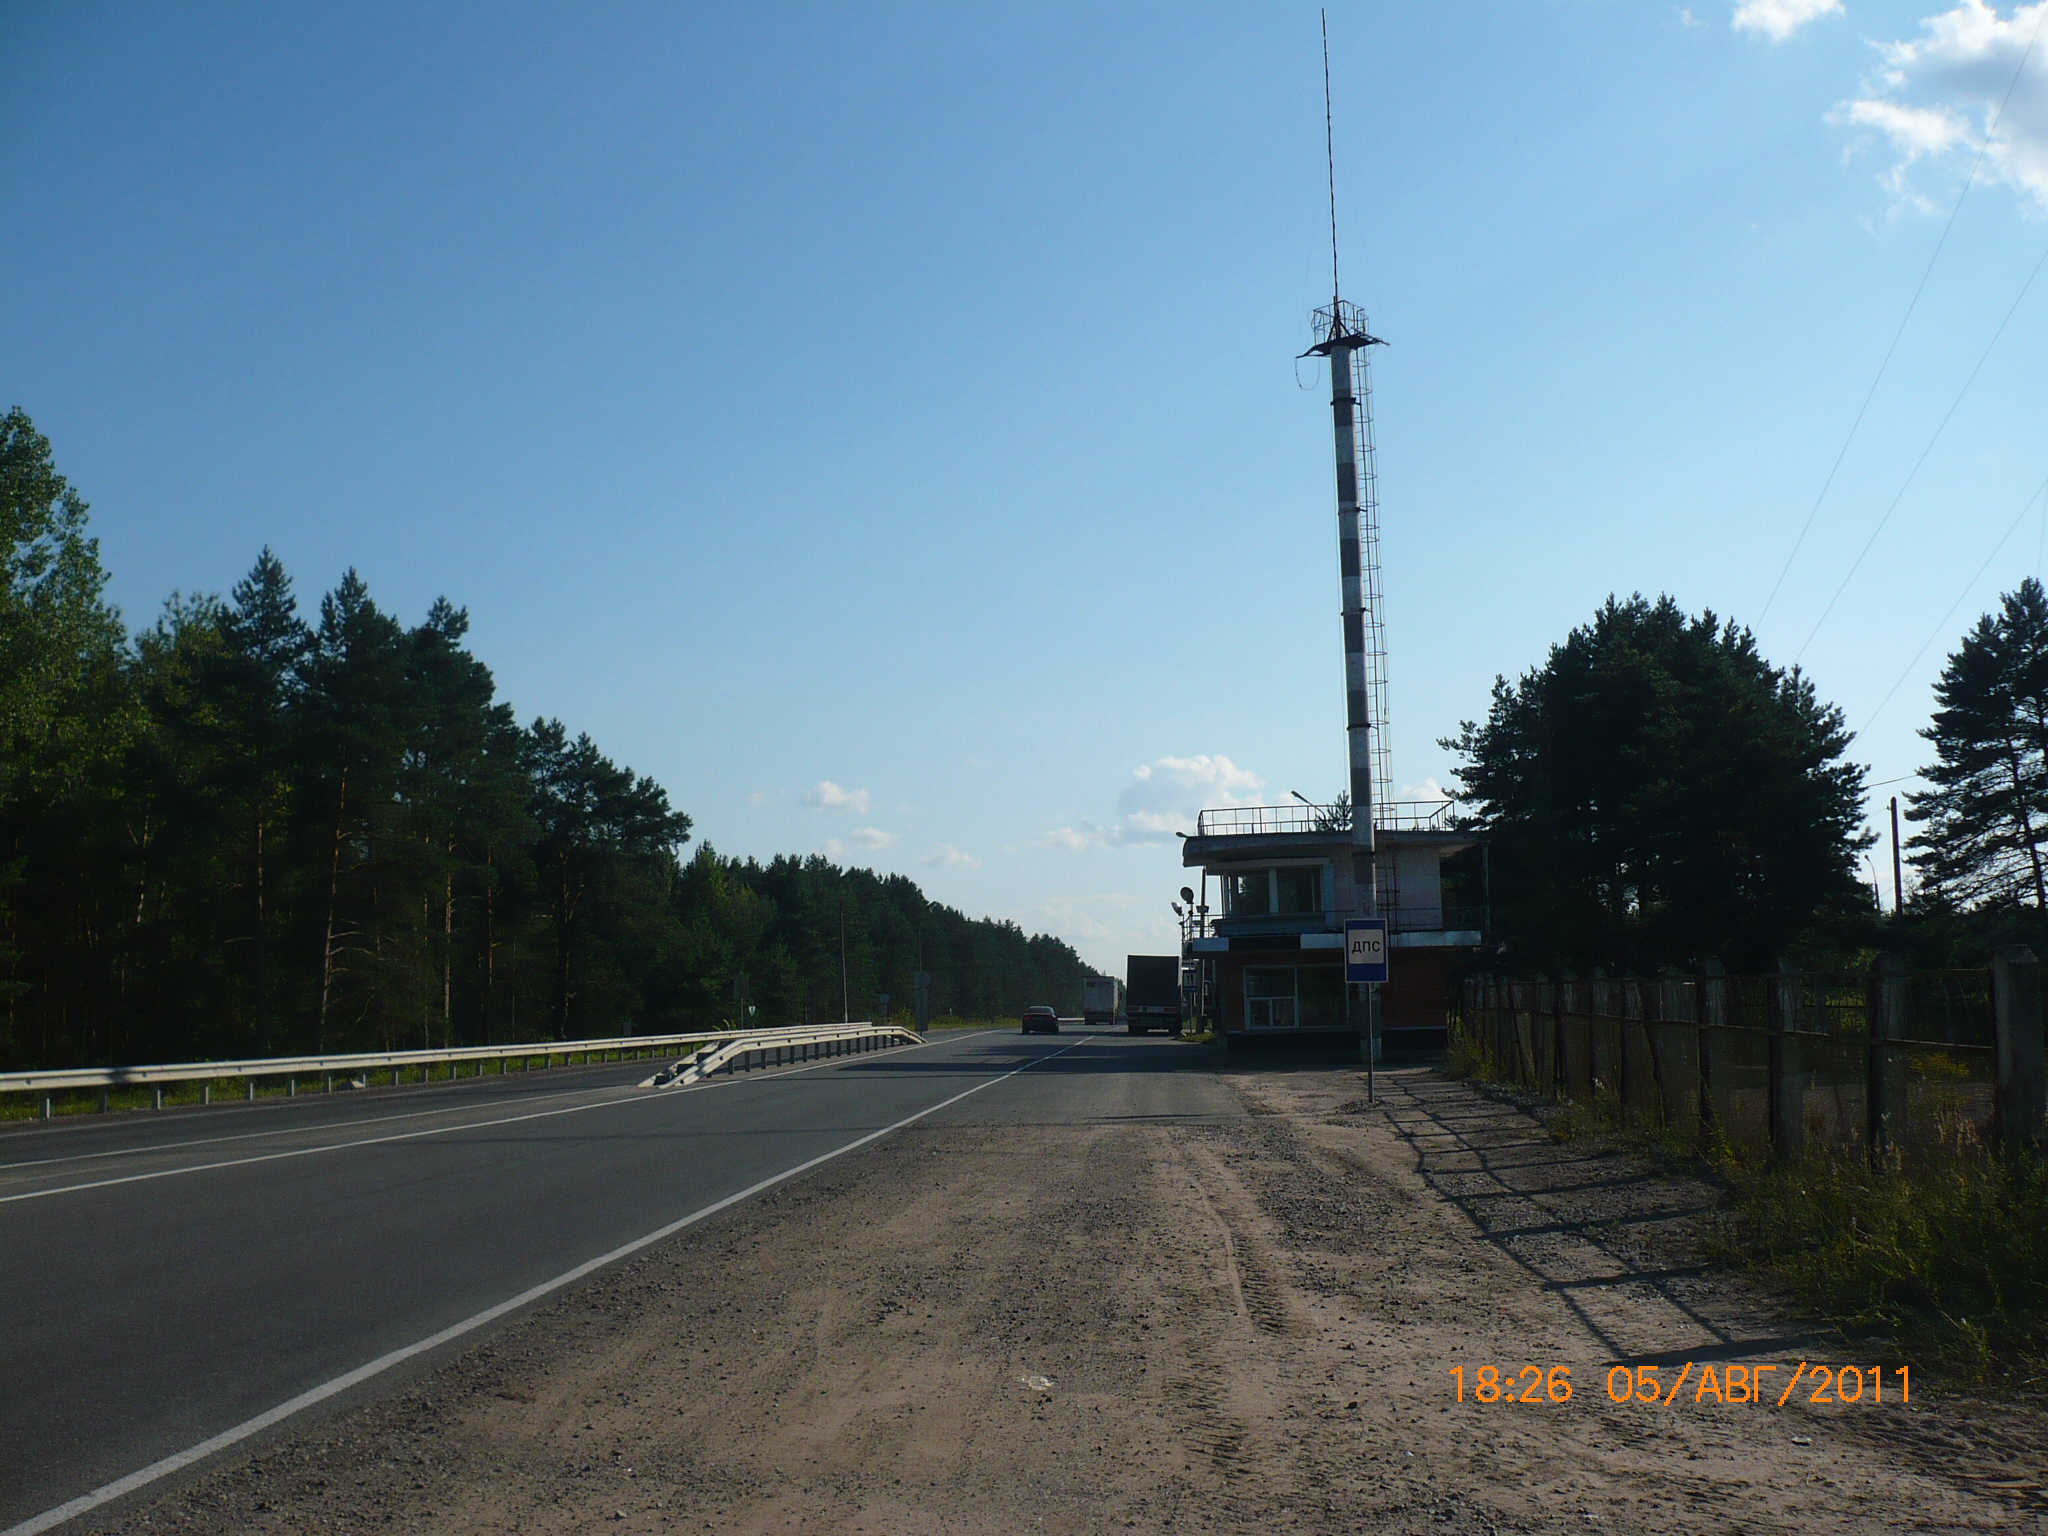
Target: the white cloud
pixel 1073 917
pixel 872 839
pixel 1687 19
pixel 1937 97
pixel 1087 835
pixel 1428 789
pixel 830 797
pixel 1162 798
pixel 1779 19
pixel 946 856
pixel 758 797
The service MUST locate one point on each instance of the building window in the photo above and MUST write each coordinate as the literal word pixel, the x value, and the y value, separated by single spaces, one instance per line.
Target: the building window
pixel 1248 895
pixel 1269 998
pixel 1263 892
pixel 1299 890
pixel 1294 997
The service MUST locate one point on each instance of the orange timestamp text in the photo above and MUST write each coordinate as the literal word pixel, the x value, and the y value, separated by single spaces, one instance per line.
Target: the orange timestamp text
pixel 1732 1382
pixel 1738 1383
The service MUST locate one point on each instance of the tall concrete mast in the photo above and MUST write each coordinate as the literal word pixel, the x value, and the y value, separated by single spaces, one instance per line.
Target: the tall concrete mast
pixel 1341 336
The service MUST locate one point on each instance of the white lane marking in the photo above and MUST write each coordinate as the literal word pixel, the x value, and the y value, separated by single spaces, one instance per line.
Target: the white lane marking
pixel 123 1486
pixel 411 1114
pixel 628 1095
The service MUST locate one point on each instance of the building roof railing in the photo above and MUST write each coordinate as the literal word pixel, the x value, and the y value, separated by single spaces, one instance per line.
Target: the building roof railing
pixel 1393 816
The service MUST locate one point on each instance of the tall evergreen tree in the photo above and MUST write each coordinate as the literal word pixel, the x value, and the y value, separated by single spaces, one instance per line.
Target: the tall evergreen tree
pixel 1986 817
pixel 267 647
pixel 353 715
pixel 1658 793
pixel 605 834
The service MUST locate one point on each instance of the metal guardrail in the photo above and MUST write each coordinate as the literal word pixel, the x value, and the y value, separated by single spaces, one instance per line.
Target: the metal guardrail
pixel 360 1064
pixel 774 1047
pixel 1394 816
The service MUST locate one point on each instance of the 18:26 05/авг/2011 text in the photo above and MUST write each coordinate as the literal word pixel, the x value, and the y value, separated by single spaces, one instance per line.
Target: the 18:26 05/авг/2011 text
pixel 1734 1383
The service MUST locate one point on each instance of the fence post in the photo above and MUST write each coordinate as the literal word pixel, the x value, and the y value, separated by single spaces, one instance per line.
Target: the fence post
pixel 1788 1082
pixel 1885 1089
pixel 2022 1082
pixel 1713 1018
pixel 1560 1000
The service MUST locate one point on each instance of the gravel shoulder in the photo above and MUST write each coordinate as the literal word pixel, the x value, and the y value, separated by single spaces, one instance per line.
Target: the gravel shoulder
pixel 1143 1325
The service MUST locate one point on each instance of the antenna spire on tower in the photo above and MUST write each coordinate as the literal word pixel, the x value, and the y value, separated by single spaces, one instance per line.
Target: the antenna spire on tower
pixel 1330 157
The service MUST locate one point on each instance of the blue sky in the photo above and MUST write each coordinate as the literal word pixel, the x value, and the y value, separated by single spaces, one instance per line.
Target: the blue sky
pixel 884 427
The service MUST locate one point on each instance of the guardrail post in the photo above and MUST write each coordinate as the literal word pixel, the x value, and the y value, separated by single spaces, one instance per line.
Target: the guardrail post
pixel 291 1087
pixel 206 1093
pixel 250 1084
pixel 2022 1102
pixel 49 1108
pixel 156 1098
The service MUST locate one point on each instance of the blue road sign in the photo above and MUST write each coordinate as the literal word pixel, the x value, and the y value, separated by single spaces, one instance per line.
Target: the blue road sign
pixel 1365 949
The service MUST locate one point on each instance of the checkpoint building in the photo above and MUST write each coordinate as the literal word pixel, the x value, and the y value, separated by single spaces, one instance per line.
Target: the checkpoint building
pixel 1271 965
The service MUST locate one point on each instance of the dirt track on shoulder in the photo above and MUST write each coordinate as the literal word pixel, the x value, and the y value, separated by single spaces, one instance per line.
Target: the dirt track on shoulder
pixel 1236 1326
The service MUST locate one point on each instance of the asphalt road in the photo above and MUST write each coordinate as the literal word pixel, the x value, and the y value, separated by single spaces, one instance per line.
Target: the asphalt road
pixel 166 1278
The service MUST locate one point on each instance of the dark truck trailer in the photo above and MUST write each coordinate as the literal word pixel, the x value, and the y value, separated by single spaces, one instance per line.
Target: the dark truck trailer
pixel 1152 993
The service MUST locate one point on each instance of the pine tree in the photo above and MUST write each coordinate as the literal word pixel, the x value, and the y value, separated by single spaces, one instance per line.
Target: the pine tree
pixel 1658 793
pixel 1987 815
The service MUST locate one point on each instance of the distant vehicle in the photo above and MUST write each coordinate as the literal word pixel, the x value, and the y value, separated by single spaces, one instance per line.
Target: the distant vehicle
pixel 1040 1021
pixel 1098 1000
pixel 1152 993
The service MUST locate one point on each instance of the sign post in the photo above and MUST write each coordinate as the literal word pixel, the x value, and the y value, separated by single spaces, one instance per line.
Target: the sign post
pixel 1365 964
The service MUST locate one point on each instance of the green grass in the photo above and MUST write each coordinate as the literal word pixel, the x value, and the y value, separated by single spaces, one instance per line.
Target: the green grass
pixel 1945 1254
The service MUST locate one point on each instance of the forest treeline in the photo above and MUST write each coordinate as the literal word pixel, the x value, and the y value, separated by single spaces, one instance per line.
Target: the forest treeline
pixel 255 830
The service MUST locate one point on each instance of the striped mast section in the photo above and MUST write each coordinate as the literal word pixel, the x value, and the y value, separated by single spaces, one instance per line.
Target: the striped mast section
pixel 1342 338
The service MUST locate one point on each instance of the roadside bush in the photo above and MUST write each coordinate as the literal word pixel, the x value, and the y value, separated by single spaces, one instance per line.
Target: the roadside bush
pixel 1466 1055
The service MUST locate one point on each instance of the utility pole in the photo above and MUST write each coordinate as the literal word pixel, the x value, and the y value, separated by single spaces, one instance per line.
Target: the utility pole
pixel 1898 873
pixel 845 1006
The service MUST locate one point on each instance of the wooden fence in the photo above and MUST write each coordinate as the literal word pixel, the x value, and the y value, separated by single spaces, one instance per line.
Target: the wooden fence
pixel 1883 1060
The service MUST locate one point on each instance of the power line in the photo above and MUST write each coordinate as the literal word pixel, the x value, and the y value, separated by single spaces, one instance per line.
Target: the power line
pixel 1911 305
pixel 1915 470
pixel 2025 508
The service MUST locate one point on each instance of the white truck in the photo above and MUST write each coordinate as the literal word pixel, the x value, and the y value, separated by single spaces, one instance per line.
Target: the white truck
pixel 1098 1000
